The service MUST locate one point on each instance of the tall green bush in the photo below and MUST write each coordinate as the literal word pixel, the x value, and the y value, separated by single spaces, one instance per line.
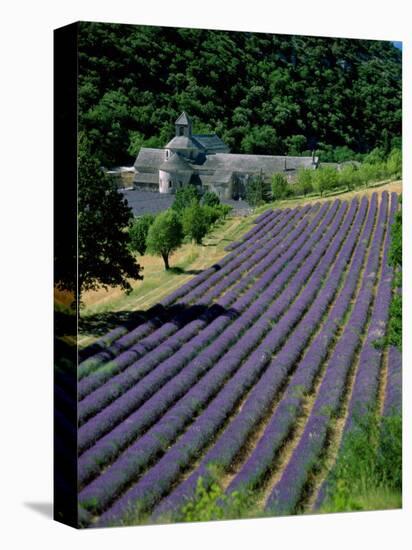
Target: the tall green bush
pixel 138 232
pixel 279 187
pixel 195 222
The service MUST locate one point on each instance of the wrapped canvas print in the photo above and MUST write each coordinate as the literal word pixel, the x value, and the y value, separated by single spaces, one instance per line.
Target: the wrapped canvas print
pixel 228 261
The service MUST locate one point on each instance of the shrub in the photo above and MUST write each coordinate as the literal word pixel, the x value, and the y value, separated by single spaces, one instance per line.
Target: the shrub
pixel 196 222
pixel 325 179
pixel 279 187
pixel 210 199
pixel 394 163
pixel 305 180
pixel 138 232
pixel 349 176
pixel 184 197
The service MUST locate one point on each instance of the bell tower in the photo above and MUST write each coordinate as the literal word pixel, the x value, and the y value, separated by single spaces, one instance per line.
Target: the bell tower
pixel 183 126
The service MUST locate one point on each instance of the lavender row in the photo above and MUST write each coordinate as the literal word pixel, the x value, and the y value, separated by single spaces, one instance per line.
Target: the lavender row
pixel 264 247
pixel 257 229
pixel 194 289
pixel 107 448
pixel 176 340
pixel 233 438
pixel 256 467
pixel 107 418
pixel 249 252
pixel 393 392
pixel 367 376
pixel 262 216
pixel 210 420
pixel 285 495
pixel 120 338
pixel 194 283
pixel 366 383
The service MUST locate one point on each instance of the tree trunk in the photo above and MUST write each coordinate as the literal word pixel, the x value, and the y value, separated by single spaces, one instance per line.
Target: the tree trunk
pixel 166 261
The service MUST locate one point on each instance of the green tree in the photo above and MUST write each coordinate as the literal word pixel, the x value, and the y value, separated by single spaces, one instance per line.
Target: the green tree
pixel 165 235
pixel 261 93
pixel 394 163
pixel 184 197
pixel 195 222
pixel 296 145
pixel 138 232
pixel 305 179
pixel 279 187
pixel 210 199
pixel 326 179
pixel 349 176
pixel 103 219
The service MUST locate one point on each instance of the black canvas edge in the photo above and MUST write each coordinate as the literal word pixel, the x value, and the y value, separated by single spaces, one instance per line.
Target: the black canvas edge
pixel 65 67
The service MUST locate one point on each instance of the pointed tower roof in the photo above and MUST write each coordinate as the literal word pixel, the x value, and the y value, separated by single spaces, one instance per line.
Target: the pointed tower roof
pixel 183 119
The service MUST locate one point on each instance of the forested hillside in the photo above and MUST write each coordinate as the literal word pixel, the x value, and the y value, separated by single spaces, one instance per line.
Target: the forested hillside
pixel 262 93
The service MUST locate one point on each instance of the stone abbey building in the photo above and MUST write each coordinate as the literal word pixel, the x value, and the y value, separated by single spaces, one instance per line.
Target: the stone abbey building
pixel 205 161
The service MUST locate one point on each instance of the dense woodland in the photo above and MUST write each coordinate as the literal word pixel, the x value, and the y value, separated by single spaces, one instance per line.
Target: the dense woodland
pixel 262 93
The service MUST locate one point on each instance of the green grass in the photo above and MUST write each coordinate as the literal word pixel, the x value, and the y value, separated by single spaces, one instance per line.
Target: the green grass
pixel 368 471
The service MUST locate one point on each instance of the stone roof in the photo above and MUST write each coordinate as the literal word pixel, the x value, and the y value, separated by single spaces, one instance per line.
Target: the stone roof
pixel 183 119
pixel 211 142
pixel 149 158
pixel 220 176
pixel 229 162
pixel 176 163
pixel 183 142
pixel 144 177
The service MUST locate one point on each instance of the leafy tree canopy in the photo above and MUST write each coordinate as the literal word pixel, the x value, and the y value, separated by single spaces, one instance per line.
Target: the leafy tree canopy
pixel 184 197
pixel 262 93
pixel 195 222
pixel 138 232
pixel 165 235
pixel 210 199
pixel 103 219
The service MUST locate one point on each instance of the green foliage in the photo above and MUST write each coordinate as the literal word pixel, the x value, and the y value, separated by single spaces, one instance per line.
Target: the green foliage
pixel 184 197
pixel 210 503
pixel 195 222
pixel 369 462
pixel 280 188
pixel 305 179
pixel 138 232
pixel 296 145
pixel 376 156
pixel 224 210
pixel 262 93
pixel 325 179
pixel 394 336
pixel 394 163
pixel 165 235
pixel 103 219
pixel 210 199
pixel 349 176
pixel 257 191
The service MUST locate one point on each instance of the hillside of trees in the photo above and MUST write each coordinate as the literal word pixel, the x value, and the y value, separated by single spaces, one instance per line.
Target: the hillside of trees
pixel 262 93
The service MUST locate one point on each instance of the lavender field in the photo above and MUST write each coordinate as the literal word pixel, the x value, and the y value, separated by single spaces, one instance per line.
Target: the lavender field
pixel 250 373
